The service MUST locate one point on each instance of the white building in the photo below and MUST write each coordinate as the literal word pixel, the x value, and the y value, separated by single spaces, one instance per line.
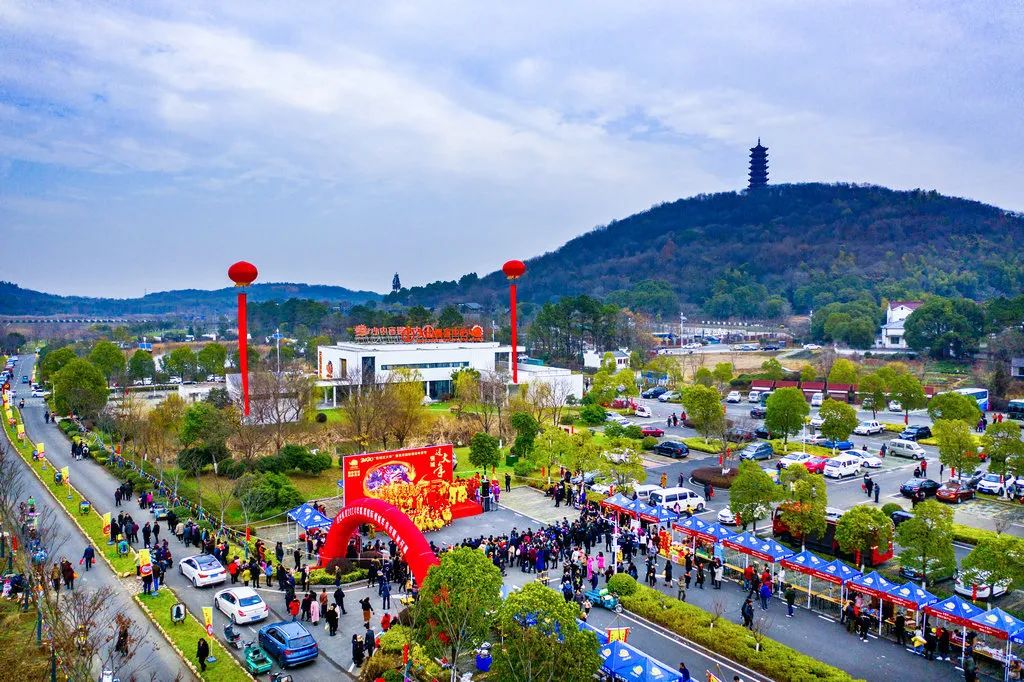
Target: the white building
pixel 892 331
pixel 592 359
pixel 350 363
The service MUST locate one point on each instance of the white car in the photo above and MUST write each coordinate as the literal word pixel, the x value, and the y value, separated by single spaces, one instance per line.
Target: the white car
pixel 618 419
pixel 816 439
pixel 817 420
pixel 994 484
pixel 794 458
pixel 39 393
pixel 895 406
pixel 734 397
pixel 868 427
pixel 867 459
pixel 667 396
pixel 241 605
pixel 727 517
pixel 605 488
pixel 817 399
pixel 692 346
pixel 202 570
pixel 642 411
pixel 754 397
pixel 174 380
pixel 811 346
pixel 985 590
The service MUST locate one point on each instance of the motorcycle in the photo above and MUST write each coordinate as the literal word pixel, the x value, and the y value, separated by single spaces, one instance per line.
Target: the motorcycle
pixel 231 637
pixel 280 677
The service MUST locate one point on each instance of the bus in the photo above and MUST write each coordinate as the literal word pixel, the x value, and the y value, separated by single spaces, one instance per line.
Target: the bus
pixel 827 543
pixel 1015 410
pixel 979 394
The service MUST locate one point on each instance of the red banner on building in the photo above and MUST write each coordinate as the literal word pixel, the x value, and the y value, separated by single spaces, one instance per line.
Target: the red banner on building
pixel 365 474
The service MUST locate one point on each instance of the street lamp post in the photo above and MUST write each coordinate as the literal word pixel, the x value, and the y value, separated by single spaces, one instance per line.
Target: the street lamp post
pixel 513 269
pixel 243 274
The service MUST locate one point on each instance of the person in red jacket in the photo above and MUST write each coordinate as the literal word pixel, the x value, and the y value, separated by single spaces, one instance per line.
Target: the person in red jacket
pixel 293 608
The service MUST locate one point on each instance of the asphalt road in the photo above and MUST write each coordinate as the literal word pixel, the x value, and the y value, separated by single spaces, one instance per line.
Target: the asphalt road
pixel 153 656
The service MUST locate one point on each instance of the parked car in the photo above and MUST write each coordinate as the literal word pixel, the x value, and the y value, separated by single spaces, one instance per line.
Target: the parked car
pixel 994 484
pixel 754 397
pixel 979 587
pixel 667 396
pixel 842 466
pixel 202 570
pixel 758 412
pixel 763 432
pixel 654 392
pixel 671 448
pixel 771 346
pixel 734 397
pixel 158 511
pixel 894 406
pixel 867 459
pixel 916 432
pixel 811 346
pixel 39 393
pixel 289 643
pixel 241 605
pixel 816 421
pixel 642 411
pixel 953 491
pixel 897 447
pixel 793 458
pixel 867 428
pixel 727 517
pixel 938 571
pixel 738 435
pixel 970 479
pixel 816 465
pixel 837 444
pixel 652 431
pixel 587 478
pixel 900 516
pixel 618 419
pixel 756 451
pixel 817 399
pixel 643 492
pixel 684 497
pixel 910 488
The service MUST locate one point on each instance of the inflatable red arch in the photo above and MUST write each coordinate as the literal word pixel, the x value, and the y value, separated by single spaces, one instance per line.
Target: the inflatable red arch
pixel 412 545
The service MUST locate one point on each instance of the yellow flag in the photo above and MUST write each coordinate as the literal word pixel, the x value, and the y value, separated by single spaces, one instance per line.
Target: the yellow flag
pixel 41 447
pixel 106 524
pixel 618 634
pixel 65 472
pixel 145 562
pixel 21 430
pixel 208 619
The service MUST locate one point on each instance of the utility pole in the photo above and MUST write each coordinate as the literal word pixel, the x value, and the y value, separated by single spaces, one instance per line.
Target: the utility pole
pixel 277 335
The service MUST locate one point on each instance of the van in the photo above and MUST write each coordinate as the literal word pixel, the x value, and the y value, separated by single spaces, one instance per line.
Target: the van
pixel 904 448
pixel 684 497
pixel 842 466
pixel 817 399
pixel 643 492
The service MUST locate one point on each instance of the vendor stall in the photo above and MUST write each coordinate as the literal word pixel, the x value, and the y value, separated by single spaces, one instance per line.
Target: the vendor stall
pixel 910 597
pixel 307 518
pixel 1000 626
pixel 699 533
pixel 813 567
pixel 844 573
pixel 750 545
pixel 624 662
pixel 873 586
pixel 957 612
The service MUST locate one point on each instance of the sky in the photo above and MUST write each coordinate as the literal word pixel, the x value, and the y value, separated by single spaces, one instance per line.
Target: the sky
pixel 146 146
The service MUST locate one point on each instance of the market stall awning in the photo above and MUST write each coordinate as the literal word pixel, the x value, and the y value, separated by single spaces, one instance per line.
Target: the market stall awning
pixel 617 500
pixel 649 670
pixel 602 636
pixel 954 609
pixel 718 532
pixel 761 548
pixel 997 623
pixel 663 515
pixel 910 596
pixel 645 512
pixel 691 526
pixel 618 656
pixel 307 517
pixel 809 564
pixel 871 584
pixel 840 572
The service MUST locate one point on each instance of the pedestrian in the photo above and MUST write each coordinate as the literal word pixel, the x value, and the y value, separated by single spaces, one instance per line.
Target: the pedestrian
pixel 717 572
pixel 943 644
pixel 877 492
pixel 339 599
pixel 684 672
pixel 323 601
pixel 55 577
pixel 314 611
pixel 664 480
pixel 864 623
pixel 790 600
pixel 680 589
pixel 508 482
pixel 88 556
pixel 364 603
pixel 970 669
pixel 901 629
pixel 68 573
pixel 765 592
pixel 700 574
pixel 668 572
pixel 680 481
pixel 369 641
pixel 385 622
pixel 924 468
pixel 747 611
pixel 293 608
pixel 332 619
pixel 357 650
pixel 202 653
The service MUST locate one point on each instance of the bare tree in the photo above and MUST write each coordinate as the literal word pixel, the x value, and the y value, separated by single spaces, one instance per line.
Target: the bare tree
pixel 277 402
pixel 364 409
pixel 223 489
pixel 493 401
pixel 759 630
pixel 406 416
pixel 249 439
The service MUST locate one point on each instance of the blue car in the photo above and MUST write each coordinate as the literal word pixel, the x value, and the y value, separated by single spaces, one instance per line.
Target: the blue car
pixel 289 643
pixel 837 444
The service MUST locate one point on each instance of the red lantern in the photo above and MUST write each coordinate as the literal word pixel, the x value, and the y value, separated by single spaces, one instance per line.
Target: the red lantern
pixel 243 273
pixel 514 269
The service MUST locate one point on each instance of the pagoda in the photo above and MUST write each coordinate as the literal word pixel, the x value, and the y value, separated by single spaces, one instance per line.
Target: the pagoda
pixel 758 166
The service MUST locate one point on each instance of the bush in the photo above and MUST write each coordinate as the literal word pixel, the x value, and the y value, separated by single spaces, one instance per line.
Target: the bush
pixel 231 468
pixel 593 415
pixel 649 442
pixel 523 468
pixel 321 418
pixel 614 430
pixel 633 431
pixel 972 536
pixel 567 419
pixel 622 584
pixel 889 507
pixel 714 446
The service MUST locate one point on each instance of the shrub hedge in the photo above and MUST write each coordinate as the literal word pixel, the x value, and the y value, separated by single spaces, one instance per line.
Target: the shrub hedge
pixel 774 660
pixel 972 536
pixel 697 443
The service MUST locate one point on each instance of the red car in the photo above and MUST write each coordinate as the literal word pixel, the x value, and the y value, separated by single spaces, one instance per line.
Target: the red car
pixel 652 431
pixel 816 465
pixel 954 492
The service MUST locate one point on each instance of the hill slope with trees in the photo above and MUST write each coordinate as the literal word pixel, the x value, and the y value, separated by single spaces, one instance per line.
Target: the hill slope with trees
pixel 763 254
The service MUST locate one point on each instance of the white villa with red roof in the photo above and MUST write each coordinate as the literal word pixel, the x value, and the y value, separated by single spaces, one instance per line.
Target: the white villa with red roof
pixel 892 331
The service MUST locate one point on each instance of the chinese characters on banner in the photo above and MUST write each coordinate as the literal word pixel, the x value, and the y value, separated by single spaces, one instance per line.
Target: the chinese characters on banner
pixel 426 334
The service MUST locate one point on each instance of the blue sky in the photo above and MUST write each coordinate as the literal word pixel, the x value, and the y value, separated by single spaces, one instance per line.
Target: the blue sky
pixel 146 146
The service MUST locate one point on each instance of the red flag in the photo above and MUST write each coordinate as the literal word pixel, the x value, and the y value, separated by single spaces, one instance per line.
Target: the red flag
pixel 974 592
pixel 247 534
pixel 405 654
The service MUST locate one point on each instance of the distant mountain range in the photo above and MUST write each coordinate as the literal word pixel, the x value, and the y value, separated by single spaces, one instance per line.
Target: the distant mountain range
pixel 17 301
pixel 772 250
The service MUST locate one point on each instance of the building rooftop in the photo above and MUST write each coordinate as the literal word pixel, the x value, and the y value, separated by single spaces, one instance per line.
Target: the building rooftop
pixel 913 305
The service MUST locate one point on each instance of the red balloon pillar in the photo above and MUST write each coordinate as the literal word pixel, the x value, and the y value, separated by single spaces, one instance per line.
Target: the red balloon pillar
pixel 243 274
pixel 514 269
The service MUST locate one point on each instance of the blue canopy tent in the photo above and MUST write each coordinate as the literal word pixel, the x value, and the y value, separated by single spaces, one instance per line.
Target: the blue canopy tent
pixel 765 549
pixel 649 670
pixel 1001 625
pixel 618 501
pixel 663 515
pixel 958 612
pixel 306 518
pixel 843 573
pixel 602 636
pixel 642 511
pixel 618 656
pixel 812 566
pixel 873 585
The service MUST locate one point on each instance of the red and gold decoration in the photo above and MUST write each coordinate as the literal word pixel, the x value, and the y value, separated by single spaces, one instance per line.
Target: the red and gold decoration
pixel 426 334
pixel 243 273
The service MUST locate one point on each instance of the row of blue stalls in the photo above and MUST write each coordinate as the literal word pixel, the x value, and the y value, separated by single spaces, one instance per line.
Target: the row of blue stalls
pixel 622 661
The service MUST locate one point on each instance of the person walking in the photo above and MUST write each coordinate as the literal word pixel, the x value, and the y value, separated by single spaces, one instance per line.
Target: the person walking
pixel 970 669
pixel 864 623
pixel 664 480
pixel 700 574
pixel 901 629
pixel 314 611
pixel 878 490
pixel 332 619
pixel 339 599
pixel 357 650
pixel 684 672
pixel 369 641
pixel 508 482
pixel 680 589
pixel 68 573
pixel 364 603
pixel 668 572
pixel 202 653
pixel 293 608
pixel 765 592
pixel 747 611
pixel 716 576
pixel 790 594
pixel 88 556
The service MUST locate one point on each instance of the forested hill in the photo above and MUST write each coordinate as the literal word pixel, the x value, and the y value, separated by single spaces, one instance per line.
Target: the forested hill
pixel 762 253
pixel 17 301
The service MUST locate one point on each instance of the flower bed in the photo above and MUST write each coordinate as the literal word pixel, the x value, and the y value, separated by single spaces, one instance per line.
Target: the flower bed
pixel 714 476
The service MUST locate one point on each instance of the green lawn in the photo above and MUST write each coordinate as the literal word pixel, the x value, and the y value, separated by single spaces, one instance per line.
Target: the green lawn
pixel 23 660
